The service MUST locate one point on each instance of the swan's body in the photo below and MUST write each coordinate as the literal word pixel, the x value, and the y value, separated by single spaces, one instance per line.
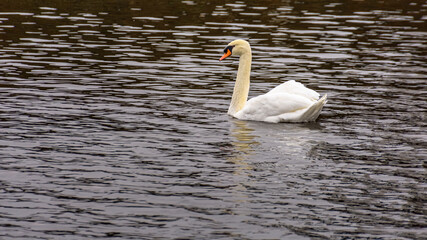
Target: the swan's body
pixel 288 102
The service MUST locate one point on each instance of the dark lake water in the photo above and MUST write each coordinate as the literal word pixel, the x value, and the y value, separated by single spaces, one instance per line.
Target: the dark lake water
pixel 113 120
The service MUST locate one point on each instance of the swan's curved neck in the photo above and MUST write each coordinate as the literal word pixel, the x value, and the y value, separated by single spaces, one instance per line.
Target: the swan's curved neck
pixel 241 87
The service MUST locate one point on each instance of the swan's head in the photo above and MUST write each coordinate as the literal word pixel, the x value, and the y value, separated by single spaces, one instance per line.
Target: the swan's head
pixel 236 48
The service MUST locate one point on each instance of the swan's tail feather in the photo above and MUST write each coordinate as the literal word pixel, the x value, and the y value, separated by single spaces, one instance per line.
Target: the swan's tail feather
pixel 313 112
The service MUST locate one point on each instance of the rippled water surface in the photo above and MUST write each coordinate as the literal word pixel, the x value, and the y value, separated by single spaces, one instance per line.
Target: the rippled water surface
pixel 113 120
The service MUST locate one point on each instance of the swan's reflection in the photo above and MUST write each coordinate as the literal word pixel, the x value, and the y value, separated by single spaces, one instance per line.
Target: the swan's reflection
pixel 285 145
pixel 260 147
pixel 243 145
pixel 243 148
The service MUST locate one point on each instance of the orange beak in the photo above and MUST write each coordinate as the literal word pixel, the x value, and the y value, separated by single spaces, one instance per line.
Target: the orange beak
pixel 227 54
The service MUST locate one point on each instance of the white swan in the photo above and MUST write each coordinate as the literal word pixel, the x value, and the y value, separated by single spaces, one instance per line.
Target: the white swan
pixel 288 102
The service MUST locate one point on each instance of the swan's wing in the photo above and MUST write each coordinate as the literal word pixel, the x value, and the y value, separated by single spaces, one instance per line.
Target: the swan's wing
pixel 269 106
pixel 305 115
pixel 295 88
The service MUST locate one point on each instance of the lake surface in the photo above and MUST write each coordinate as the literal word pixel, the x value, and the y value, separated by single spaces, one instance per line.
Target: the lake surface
pixel 113 121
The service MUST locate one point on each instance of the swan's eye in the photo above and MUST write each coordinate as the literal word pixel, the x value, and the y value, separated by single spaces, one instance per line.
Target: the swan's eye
pixel 227 52
pixel 228 48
